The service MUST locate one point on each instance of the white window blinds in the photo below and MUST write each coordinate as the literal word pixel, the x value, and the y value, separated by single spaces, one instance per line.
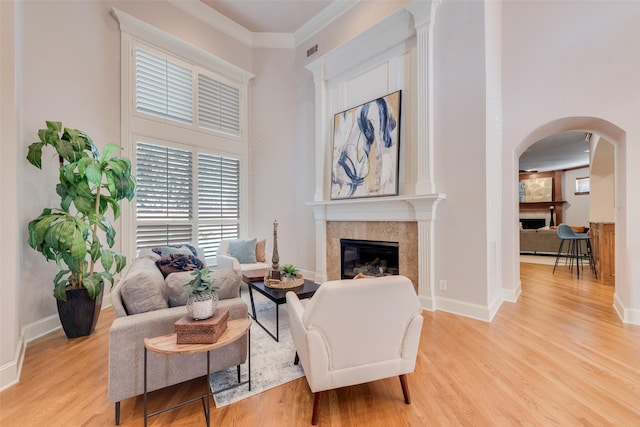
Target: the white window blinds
pixel 166 210
pixel 218 105
pixel 163 88
pixel 218 200
pixel 164 205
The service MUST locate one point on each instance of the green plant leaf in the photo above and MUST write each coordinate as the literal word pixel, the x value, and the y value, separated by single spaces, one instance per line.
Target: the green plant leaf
pixel 95 248
pixel 106 258
pixel 107 276
pixel 65 149
pixel 94 173
pixel 93 284
pixel 108 150
pixel 35 154
pixel 60 290
pixel 121 262
pixel 54 126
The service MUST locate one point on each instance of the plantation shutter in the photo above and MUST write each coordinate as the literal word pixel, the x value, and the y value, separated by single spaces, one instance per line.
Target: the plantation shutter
pixel 218 201
pixel 163 88
pixel 164 205
pixel 218 106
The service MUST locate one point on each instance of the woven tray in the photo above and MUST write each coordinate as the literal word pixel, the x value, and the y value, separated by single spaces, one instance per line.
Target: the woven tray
pixel 279 284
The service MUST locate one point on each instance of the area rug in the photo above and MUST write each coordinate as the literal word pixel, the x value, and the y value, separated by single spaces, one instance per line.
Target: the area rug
pixel 271 361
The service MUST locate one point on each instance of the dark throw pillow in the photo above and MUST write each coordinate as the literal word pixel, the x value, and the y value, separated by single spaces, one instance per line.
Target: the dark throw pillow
pixel 178 262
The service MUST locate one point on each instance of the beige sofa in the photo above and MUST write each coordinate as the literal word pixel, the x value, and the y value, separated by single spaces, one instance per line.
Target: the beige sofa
pixel 147 305
pixel 539 241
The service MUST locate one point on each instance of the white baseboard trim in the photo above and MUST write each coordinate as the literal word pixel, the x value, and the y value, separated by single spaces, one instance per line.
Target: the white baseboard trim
pixel 512 295
pixel 461 308
pixel 41 327
pixel 495 306
pixel 627 315
pixel 426 303
pixel 10 372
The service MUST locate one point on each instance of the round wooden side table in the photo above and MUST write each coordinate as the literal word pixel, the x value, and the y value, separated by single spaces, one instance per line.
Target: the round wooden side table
pixel 166 344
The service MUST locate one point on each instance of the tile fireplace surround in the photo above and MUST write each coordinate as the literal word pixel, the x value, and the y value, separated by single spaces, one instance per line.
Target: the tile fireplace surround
pixel 407 220
pixel 405 233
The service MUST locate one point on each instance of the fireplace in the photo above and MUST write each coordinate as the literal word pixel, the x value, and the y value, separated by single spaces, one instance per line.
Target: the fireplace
pixel 532 223
pixel 368 257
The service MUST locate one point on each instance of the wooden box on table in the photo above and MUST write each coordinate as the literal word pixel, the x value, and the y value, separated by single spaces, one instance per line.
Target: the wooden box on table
pixel 207 331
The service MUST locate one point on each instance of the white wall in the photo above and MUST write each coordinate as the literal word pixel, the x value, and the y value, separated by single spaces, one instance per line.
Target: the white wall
pixel 10 212
pixel 576 210
pixel 460 150
pixel 279 164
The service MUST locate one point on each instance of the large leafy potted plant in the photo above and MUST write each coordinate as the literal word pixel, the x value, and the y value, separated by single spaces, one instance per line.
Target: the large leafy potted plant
pixel 91 185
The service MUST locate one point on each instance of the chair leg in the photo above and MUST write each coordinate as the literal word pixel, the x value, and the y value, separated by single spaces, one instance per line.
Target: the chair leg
pixel 316 407
pixel 117 413
pixel 592 262
pixel 558 255
pixel 296 359
pixel 405 389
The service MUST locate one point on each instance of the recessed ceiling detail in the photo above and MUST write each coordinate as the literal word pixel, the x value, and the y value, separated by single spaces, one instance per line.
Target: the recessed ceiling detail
pixel 557 152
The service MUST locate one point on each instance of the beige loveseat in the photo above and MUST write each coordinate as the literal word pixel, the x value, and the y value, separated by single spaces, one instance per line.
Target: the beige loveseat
pixel 147 305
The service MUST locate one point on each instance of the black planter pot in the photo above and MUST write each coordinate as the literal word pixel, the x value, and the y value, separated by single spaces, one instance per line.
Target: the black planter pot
pixel 79 313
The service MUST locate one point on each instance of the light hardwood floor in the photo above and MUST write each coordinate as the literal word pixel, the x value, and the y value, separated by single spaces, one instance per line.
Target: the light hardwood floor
pixel 559 356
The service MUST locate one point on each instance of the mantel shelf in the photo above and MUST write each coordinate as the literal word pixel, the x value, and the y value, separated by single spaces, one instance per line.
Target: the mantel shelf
pixel 539 205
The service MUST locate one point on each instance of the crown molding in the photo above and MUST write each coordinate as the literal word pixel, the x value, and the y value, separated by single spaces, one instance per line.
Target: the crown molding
pixel 322 19
pixel 216 20
pixel 201 11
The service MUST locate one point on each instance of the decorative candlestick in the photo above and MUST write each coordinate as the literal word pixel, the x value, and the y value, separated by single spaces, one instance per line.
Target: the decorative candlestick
pixel 274 273
pixel 551 221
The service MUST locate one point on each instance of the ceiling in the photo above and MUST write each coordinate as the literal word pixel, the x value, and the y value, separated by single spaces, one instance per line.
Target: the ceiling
pixel 269 16
pixel 562 151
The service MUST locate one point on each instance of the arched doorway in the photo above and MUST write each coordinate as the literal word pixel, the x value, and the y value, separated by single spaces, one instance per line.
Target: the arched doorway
pixel 617 137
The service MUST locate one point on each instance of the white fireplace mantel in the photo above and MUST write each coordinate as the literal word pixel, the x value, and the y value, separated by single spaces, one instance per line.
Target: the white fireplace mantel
pixel 395 208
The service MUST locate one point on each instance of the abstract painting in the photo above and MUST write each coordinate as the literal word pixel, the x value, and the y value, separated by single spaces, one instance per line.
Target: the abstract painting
pixel 366 149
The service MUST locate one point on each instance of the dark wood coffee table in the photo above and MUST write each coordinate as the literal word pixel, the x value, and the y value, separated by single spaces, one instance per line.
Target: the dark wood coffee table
pixel 278 296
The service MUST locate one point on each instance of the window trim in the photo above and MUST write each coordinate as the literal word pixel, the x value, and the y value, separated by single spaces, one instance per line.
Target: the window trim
pixel 582 193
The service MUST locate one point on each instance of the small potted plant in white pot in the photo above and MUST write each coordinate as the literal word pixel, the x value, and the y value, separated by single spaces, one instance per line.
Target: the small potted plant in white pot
pixel 202 298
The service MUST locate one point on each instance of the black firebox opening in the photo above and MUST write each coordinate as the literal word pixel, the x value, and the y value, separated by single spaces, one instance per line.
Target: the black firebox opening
pixel 371 258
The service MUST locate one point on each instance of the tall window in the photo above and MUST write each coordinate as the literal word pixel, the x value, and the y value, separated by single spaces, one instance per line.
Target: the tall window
pixel 188 138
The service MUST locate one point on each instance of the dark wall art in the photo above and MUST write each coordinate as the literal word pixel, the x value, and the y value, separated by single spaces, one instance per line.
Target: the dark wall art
pixel 366 149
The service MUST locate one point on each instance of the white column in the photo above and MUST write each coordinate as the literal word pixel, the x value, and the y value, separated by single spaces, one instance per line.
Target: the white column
pixel 321 126
pixel 425 213
pixel 319 214
pixel 423 15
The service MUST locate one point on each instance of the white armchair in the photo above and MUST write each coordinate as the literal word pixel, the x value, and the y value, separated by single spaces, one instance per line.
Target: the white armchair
pixel 356 331
pixel 224 260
